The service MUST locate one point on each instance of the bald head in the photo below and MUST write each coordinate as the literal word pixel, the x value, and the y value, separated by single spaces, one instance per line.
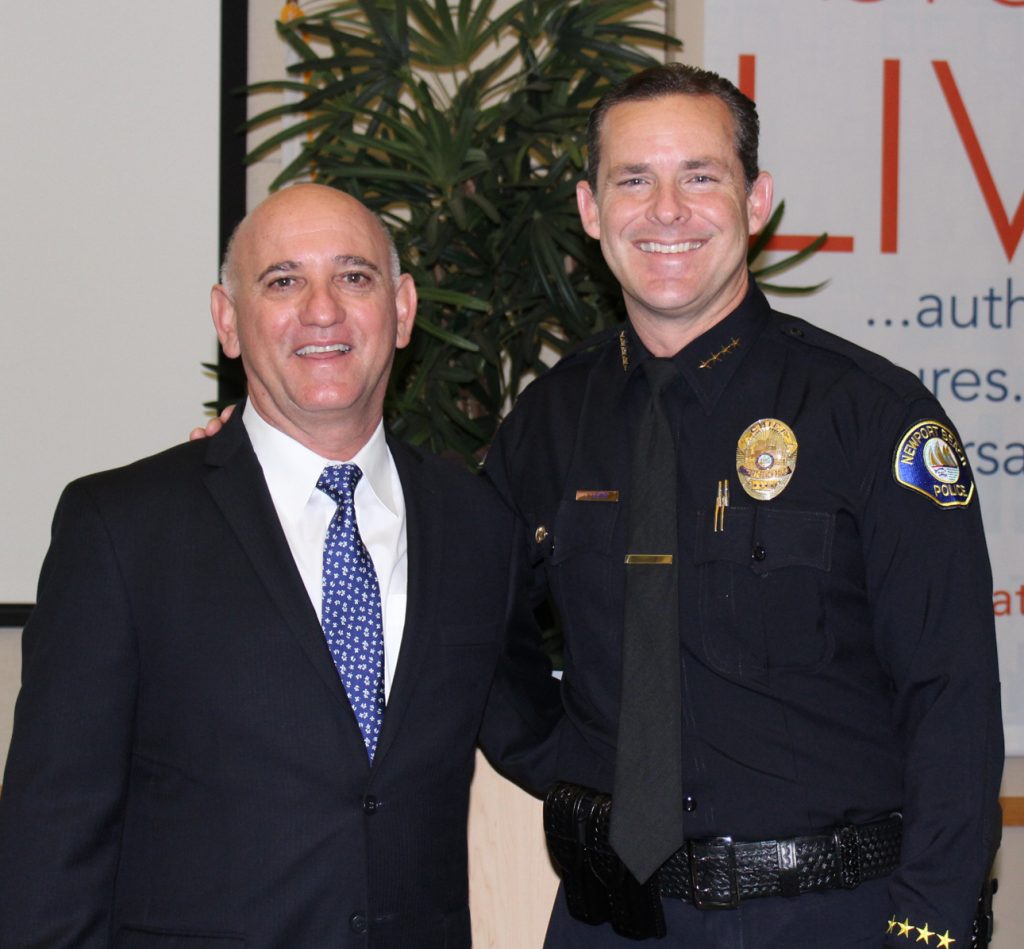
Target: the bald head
pixel 313 300
pixel 299 200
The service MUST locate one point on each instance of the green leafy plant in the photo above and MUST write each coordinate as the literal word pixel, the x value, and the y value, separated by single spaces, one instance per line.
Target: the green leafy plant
pixel 462 125
pixel 762 272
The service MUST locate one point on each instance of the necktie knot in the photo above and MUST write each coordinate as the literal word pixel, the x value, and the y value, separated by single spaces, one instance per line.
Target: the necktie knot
pixel 660 373
pixel 339 482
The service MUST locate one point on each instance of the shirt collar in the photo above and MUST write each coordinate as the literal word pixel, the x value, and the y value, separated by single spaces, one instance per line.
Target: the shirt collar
pixel 710 361
pixel 292 470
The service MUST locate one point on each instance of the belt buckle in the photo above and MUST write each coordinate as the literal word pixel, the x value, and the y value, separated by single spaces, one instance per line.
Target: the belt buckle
pixel 706 897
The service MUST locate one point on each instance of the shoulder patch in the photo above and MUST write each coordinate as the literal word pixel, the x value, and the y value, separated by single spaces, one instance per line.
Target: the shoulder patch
pixel 929 459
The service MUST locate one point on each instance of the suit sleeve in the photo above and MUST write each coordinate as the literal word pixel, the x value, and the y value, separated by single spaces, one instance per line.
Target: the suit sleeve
pixel 930 584
pixel 66 775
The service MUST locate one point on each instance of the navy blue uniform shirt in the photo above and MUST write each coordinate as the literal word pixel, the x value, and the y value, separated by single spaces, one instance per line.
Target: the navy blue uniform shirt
pixel 838 645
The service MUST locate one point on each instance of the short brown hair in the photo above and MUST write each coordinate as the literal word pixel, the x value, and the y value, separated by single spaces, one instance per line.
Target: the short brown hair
pixel 674 79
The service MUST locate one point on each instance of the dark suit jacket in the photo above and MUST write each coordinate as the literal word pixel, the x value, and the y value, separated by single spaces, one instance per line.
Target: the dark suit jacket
pixel 186 770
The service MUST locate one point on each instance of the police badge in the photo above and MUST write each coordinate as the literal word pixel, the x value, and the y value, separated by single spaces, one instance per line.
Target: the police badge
pixel 766 458
pixel 929 459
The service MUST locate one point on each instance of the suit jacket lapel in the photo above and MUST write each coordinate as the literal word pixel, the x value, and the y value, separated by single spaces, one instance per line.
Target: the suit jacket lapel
pixel 235 480
pixel 424 525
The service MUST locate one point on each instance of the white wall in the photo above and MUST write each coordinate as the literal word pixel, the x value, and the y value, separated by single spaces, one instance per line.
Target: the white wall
pixel 10 681
pixel 108 246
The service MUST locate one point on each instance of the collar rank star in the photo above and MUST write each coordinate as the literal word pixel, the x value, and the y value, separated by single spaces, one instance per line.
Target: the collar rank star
pixel 766 458
pixel 721 354
pixel 929 459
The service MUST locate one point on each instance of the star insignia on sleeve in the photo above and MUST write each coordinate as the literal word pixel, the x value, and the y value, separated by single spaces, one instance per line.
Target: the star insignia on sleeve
pixel 924 934
pixel 905 927
pixel 892 924
pixel 945 940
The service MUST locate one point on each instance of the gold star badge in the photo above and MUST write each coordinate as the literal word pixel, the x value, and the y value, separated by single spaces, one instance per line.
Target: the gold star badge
pixel 891 924
pixel 905 927
pixel 945 940
pixel 924 934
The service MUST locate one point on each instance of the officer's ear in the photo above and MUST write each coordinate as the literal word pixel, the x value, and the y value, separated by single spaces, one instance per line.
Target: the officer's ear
pixel 759 202
pixel 586 201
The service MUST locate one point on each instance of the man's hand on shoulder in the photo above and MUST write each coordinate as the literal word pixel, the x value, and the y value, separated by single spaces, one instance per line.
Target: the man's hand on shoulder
pixel 213 426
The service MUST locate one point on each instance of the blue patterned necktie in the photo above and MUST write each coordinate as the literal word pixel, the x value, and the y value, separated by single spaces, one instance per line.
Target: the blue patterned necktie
pixel 351 614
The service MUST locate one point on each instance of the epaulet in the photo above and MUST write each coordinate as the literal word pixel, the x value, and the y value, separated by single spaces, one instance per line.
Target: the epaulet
pixel 903 383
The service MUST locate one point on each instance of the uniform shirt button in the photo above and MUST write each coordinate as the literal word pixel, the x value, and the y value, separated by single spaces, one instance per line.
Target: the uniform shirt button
pixel 689 803
pixel 357 923
pixel 758 553
pixel 370 804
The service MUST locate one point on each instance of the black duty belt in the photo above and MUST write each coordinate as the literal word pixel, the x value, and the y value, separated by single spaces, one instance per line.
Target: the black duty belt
pixel 711 873
pixel 719 873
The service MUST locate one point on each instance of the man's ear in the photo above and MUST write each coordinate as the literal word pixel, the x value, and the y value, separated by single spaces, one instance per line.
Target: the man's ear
pixel 759 202
pixel 225 320
pixel 586 201
pixel 405 306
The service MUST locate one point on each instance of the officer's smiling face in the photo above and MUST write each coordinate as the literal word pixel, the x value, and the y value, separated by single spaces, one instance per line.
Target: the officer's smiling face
pixel 673 214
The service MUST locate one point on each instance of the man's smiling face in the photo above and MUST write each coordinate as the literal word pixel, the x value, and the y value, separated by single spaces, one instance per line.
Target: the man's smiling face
pixel 673 213
pixel 315 310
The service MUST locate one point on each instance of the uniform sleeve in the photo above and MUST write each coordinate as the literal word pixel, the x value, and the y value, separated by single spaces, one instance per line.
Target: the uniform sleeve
pixel 65 781
pixel 930 586
pixel 520 728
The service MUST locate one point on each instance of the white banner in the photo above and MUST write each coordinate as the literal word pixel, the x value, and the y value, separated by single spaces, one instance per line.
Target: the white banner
pixel 897 126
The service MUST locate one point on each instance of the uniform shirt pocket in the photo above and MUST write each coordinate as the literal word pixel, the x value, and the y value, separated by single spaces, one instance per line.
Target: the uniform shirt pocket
pixel 586 578
pixel 762 589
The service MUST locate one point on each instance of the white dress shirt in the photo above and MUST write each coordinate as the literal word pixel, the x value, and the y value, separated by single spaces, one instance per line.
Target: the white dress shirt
pixel 292 470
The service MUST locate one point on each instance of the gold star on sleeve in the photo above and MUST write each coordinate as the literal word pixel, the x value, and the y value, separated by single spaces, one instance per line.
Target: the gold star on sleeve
pixel 905 927
pixel 924 934
pixel 892 924
pixel 945 940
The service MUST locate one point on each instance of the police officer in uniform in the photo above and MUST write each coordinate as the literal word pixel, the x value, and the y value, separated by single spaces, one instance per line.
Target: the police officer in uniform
pixel 833 760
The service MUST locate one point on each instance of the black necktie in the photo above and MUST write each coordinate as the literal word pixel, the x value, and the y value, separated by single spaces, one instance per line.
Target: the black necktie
pixel 647 800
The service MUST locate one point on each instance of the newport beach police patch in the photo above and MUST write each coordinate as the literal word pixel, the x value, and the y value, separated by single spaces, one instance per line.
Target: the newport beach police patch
pixel 930 459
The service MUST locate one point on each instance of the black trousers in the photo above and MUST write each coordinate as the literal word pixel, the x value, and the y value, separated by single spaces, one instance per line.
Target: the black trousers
pixel 837 919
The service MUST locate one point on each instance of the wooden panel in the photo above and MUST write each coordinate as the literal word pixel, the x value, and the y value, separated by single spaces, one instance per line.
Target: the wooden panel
pixel 511 882
pixel 1013 811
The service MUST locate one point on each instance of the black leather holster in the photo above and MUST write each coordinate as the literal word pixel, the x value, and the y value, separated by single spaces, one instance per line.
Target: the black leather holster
pixel 598 887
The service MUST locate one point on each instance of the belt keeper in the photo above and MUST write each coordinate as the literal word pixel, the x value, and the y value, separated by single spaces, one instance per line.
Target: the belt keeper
pixel 789 878
pixel 702 883
pixel 847 848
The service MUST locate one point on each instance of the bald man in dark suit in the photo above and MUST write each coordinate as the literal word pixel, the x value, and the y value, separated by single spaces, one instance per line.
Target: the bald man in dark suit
pixel 194 762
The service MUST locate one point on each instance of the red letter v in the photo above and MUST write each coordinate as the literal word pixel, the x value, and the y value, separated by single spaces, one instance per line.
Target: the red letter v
pixel 1009 231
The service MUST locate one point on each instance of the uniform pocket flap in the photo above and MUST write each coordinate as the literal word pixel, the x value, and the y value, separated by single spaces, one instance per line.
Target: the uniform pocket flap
pixel 767 538
pixel 791 539
pixel 582 525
